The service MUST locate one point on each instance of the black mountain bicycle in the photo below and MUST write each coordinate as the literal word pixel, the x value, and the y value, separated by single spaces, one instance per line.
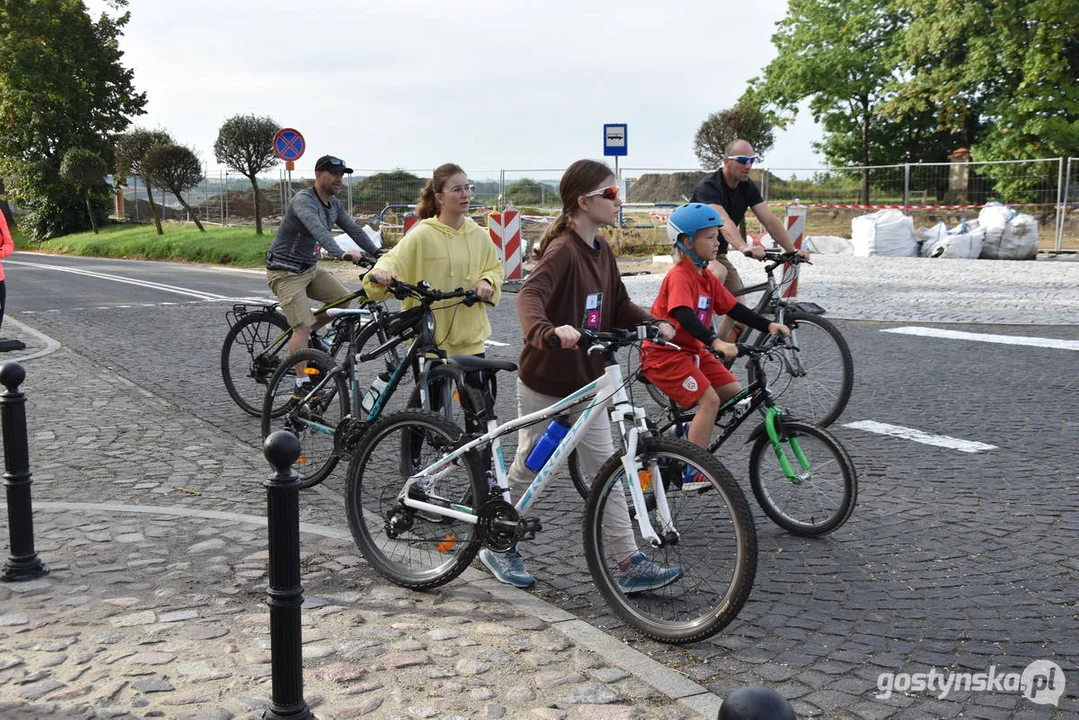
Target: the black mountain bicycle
pixel 344 397
pixel 258 339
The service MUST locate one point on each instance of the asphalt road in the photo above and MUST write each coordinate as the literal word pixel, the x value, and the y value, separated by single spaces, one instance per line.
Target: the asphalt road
pixel 953 560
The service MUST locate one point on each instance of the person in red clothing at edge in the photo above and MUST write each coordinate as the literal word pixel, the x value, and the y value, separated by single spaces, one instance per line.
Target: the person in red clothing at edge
pixel 576 283
pixel 688 297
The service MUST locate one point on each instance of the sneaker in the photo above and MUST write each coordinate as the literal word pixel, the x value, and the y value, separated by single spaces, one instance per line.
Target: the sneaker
pixel 642 574
pixel 692 479
pixel 317 343
pixel 507 567
pixel 299 392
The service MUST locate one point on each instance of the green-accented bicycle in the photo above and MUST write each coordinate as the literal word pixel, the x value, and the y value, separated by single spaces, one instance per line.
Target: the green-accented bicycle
pixel 801 475
pixel 258 340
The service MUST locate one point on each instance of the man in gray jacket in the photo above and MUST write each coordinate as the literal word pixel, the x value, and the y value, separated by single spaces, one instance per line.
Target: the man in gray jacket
pixel 292 270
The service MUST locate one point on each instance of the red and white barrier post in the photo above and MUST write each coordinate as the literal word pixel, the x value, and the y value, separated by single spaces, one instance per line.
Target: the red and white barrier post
pixel 505 230
pixel 796 230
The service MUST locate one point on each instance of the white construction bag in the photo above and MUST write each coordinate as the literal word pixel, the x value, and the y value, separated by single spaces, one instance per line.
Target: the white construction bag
pixel 885 232
pixel 1008 235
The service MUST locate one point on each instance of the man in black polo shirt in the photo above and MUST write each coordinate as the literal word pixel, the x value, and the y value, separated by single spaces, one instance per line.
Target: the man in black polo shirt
pixel 730 191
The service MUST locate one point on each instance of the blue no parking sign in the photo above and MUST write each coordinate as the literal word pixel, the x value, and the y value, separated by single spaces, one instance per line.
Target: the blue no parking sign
pixel 288 144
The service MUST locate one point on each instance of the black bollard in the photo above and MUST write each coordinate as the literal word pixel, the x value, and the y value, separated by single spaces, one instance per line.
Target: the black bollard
pixel 285 593
pixel 23 564
pixel 756 703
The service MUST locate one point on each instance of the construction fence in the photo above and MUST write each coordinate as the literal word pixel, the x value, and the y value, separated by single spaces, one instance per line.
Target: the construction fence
pixel 1047 189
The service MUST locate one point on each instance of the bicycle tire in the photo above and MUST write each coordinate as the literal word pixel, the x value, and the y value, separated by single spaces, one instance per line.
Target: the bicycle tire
pixel 314 422
pixel 246 367
pixel 716 549
pixel 819 389
pixel 419 551
pixel 580 478
pixel 820 502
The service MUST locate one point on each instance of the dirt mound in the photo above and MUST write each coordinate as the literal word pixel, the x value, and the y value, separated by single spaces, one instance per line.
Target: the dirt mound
pixel 664 188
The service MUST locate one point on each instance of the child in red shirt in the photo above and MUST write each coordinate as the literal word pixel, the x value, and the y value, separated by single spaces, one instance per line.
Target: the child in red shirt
pixel 688 297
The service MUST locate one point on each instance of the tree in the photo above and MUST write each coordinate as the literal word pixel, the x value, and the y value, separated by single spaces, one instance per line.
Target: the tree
pixel 745 120
pixel 381 189
pixel 245 144
pixel 85 170
pixel 838 55
pixel 1000 76
pixel 131 151
pixel 174 168
pixel 62 86
pixel 526 191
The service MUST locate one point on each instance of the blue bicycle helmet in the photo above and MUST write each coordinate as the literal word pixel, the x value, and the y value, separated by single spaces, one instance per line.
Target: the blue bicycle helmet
pixel 687 220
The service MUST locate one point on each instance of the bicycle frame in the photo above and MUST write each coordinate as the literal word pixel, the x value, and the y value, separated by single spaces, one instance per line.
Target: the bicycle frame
pixel 606 391
pixel 758 395
pixel 424 343
pixel 239 310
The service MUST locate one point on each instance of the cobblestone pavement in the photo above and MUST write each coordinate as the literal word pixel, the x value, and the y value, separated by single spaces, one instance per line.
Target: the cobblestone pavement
pixel 954 563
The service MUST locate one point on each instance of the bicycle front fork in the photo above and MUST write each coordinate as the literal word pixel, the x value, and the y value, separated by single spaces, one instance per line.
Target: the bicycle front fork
pixel 773 425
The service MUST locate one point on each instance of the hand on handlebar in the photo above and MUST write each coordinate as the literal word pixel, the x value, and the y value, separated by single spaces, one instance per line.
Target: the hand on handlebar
pixel 484 290
pixel 567 337
pixel 381 277
pixel 775 327
pixel 754 251
pixel 724 349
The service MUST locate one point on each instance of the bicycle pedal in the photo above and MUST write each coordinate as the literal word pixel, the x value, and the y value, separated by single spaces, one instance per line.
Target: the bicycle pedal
pixel 527 527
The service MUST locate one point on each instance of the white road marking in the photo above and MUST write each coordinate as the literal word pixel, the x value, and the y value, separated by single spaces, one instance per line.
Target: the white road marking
pixel 944 441
pixel 495 343
pixel 127 281
pixel 987 337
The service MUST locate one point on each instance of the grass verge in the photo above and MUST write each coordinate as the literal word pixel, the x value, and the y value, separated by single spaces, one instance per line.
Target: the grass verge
pixel 181 242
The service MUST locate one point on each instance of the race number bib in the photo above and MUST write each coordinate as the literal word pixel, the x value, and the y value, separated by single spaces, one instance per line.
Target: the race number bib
pixel 704 307
pixel 593 311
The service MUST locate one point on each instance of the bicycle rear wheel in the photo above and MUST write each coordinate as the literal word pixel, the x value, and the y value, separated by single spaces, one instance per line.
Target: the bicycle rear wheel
pixel 822 497
pixel 813 382
pixel 252 350
pixel 412 548
pixel 715 548
pixel 314 419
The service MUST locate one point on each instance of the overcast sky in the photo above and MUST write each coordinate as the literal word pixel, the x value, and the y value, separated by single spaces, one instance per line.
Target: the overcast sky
pixel 415 83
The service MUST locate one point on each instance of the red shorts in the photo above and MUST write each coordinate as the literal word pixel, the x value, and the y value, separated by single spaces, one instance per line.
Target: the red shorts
pixel 683 377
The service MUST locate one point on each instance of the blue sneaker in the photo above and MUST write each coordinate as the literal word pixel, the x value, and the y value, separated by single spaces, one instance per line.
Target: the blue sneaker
pixel 507 567
pixel 642 574
pixel 693 479
pixel 316 343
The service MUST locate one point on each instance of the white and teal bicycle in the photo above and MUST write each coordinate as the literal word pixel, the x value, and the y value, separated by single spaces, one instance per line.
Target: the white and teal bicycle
pixel 420 511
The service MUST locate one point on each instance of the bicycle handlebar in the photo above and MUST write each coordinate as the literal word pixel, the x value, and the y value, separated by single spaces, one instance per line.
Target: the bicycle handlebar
pixel 426 294
pixel 613 339
pixel 781 257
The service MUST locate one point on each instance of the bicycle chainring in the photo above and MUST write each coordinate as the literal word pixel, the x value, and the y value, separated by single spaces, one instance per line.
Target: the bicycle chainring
pixel 497 524
pixel 347 436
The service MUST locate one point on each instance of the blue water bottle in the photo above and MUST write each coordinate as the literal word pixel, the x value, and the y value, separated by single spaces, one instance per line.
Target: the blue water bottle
pixel 544 447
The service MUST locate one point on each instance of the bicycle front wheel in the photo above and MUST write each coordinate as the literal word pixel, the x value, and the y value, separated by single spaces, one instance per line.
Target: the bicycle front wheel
pixel 820 497
pixel 252 350
pixel 813 382
pixel 698 580
pixel 313 419
pixel 415 548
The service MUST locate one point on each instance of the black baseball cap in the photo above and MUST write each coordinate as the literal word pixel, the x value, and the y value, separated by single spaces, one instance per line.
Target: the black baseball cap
pixel 331 163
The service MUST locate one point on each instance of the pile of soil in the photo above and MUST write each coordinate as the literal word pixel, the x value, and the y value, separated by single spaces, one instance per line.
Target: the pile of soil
pixel 664 187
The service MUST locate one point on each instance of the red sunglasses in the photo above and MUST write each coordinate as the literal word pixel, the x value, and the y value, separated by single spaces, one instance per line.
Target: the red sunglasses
pixel 610 193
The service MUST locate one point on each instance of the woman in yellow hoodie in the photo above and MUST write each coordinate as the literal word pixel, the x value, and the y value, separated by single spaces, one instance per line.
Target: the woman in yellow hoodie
pixel 449 250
